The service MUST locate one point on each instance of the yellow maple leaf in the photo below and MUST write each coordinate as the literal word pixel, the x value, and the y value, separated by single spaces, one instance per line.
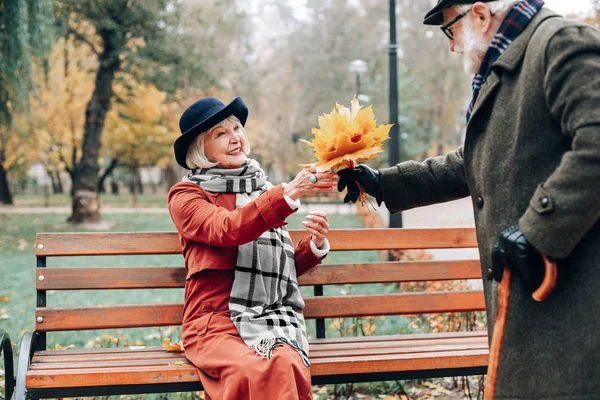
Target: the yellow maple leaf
pixel 347 136
pixel 171 347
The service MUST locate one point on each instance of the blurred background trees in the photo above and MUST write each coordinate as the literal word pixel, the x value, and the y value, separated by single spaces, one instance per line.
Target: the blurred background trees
pixel 91 91
pixel 26 36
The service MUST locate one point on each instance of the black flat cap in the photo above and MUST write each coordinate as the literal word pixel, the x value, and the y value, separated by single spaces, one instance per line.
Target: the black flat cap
pixel 436 15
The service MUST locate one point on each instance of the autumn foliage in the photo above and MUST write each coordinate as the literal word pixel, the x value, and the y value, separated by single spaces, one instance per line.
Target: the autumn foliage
pixel 347 136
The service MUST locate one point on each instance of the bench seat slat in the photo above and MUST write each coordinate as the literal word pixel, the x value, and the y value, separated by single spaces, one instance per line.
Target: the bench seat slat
pixel 176 359
pixel 135 243
pixel 320 367
pixel 82 357
pixel 403 353
pixel 317 345
pixel 174 277
pixel 166 314
pixel 407 338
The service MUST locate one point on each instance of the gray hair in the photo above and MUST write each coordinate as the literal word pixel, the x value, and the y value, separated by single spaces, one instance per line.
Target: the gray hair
pixel 498 7
pixel 195 156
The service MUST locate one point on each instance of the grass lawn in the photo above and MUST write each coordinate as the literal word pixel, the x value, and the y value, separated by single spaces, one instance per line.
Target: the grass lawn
pixel 148 199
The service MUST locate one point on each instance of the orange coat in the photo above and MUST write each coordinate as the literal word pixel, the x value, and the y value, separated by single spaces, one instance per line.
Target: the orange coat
pixel 211 228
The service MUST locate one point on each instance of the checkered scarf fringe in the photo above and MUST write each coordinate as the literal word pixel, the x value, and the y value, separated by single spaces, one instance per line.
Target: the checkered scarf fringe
pixel 265 302
pixel 515 22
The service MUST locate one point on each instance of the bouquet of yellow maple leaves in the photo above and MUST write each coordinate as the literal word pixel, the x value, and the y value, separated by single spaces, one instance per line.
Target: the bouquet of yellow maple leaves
pixel 347 136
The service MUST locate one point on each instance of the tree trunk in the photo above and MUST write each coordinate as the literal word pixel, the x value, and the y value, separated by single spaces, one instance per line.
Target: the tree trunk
pixel 139 180
pixel 106 174
pixel 59 185
pixel 114 187
pixel 134 184
pixel 5 195
pixel 53 182
pixel 170 176
pixel 86 204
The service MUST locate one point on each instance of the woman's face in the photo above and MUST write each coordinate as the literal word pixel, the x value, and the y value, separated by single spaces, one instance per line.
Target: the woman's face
pixel 224 144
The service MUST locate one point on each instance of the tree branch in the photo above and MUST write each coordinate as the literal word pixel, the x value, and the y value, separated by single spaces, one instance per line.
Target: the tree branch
pixel 69 170
pixel 83 39
pixel 108 171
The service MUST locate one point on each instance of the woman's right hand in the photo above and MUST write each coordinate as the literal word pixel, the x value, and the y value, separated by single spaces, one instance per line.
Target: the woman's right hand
pixel 302 186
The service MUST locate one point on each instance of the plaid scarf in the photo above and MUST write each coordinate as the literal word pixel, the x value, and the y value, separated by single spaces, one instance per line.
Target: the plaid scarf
pixel 265 302
pixel 515 22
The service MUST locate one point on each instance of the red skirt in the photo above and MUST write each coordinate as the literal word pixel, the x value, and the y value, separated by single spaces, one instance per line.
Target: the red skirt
pixel 229 370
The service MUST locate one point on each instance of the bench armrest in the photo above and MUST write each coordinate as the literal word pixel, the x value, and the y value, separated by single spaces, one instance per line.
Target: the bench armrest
pixel 27 348
pixel 9 368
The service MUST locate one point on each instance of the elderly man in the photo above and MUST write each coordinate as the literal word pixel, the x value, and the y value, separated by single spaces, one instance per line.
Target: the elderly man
pixel 531 165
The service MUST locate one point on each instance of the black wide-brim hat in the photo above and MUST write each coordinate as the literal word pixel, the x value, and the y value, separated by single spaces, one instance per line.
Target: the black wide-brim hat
pixel 202 115
pixel 436 15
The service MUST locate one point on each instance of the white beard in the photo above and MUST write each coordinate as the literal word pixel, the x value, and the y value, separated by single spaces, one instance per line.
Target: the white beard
pixel 475 47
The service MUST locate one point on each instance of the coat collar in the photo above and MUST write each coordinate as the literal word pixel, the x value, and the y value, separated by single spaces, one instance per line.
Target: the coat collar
pixel 510 59
pixel 516 50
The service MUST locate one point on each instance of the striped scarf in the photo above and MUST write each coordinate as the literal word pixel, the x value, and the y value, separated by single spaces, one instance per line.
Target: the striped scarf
pixel 515 22
pixel 265 301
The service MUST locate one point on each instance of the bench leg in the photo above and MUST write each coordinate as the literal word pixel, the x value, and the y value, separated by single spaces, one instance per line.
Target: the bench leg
pixel 9 369
pixel 26 353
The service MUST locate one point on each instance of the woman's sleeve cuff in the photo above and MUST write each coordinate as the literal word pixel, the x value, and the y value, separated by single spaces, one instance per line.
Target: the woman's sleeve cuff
pixel 322 251
pixel 294 204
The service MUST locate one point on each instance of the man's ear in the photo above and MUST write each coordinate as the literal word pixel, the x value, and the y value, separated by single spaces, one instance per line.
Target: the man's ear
pixel 481 16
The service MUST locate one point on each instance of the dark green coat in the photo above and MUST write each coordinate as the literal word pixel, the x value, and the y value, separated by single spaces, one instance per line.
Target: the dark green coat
pixel 534 134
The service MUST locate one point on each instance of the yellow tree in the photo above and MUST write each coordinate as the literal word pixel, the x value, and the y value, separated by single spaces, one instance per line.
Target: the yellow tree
pixel 594 20
pixel 60 115
pixel 52 132
pixel 139 128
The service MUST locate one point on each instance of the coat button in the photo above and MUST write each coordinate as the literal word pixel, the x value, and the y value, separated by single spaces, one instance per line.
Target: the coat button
pixel 479 202
pixel 489 274
pixel 544 201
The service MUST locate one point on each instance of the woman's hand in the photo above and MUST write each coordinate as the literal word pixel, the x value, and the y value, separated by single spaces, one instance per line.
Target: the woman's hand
pixel 302 184
pixel 318 226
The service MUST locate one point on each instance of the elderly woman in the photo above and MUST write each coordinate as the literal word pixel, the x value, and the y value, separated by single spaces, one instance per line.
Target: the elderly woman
pixel 243 326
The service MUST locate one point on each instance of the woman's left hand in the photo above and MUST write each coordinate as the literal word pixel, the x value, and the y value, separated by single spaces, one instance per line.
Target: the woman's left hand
pixel 318 226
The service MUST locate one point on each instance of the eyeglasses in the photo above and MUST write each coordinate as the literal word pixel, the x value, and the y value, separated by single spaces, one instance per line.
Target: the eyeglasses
pixel 446 28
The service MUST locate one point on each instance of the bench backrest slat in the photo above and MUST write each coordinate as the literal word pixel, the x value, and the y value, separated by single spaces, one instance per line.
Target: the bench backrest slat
pixel 136 243
pixel 57 318
pixel 174 277
pixel 165 314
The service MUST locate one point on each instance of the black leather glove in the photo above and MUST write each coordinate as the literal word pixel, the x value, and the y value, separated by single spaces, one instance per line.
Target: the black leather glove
pixel 368 178
pixel 513 251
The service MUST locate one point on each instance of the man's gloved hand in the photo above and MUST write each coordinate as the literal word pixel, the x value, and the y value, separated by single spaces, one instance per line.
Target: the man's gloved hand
pixel 368 178
pixel 513 251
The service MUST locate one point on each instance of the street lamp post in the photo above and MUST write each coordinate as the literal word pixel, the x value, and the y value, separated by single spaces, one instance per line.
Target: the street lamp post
pixel 394 152
pixel 358 67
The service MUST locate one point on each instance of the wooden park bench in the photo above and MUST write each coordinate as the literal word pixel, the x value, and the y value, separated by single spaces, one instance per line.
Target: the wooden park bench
pixel 130 370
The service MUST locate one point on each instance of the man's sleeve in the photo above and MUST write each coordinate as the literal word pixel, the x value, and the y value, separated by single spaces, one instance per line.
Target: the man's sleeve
pixel 565 207
pixel 436 180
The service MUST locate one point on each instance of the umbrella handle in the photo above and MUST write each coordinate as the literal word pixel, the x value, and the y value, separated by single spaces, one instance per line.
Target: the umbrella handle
pixel 547 286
